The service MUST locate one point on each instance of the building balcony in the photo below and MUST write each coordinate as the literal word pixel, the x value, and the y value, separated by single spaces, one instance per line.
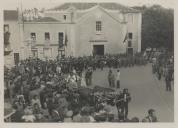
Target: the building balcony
pixel 7 49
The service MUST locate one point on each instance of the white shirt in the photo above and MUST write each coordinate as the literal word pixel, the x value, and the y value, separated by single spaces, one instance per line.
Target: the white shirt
pixel 74 71
pixel 91 119
pixel 72 78
pixel 118 76
pixel 29 118
pixel 58 69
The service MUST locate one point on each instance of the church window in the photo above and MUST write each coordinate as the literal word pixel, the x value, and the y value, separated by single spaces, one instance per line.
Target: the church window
pixel 98 26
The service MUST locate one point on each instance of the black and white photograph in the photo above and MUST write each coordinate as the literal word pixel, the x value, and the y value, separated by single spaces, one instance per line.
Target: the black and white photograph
pixel 88 61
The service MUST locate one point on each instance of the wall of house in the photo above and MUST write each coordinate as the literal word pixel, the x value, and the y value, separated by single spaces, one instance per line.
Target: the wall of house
pixel 53 29
pixel 112 31
pixel 134 26
pixel 15 42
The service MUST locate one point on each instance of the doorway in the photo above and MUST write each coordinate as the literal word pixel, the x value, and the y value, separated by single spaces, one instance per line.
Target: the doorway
pixel 98 50
pixel 130 51
pixel 35 53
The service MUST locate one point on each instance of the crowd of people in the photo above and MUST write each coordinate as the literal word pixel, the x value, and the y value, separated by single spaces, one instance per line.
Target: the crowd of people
pixel 62 90
pixel 163 67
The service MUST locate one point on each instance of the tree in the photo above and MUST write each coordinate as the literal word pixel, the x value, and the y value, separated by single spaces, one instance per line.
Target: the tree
pixel 157 27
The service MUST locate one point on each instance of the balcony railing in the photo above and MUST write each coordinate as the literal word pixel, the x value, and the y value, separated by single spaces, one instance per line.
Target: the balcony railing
pixel 7 49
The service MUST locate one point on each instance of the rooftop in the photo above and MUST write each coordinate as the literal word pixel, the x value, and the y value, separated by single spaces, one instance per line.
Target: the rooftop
pixel 84 6
pixel 44 19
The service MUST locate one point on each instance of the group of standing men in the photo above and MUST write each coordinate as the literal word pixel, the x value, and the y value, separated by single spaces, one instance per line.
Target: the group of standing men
pixel 163 67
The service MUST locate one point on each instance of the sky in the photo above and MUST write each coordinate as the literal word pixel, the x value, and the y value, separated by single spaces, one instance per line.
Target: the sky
pixel 27 4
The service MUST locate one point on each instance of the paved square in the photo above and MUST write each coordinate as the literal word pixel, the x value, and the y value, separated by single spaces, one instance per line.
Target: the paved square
pixel 146 91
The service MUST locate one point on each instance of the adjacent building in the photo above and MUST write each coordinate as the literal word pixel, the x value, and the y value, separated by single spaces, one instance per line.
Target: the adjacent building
pixel 12 42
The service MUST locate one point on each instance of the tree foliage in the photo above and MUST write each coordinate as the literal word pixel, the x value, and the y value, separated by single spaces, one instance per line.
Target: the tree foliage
pixel 157 27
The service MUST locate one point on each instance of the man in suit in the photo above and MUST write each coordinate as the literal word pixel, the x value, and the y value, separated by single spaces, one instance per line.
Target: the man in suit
pixel 126 99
